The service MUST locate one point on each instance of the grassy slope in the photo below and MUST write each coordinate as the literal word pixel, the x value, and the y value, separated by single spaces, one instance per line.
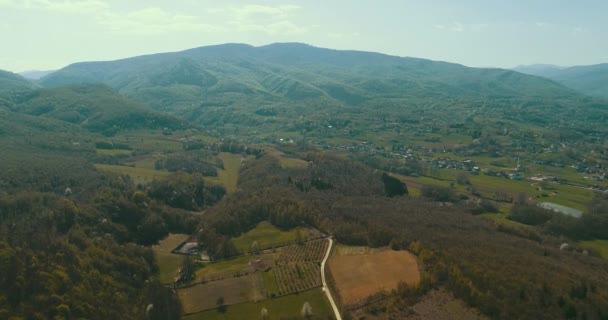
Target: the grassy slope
pixel 601 246
pixel 266 235
pixel 168 263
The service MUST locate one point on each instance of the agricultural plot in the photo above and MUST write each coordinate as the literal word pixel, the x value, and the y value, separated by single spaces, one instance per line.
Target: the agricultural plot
pixel 298 267
pixel 233 291
pixel 359 272
pixel 286 307
pixel 296 278
pixel 311 251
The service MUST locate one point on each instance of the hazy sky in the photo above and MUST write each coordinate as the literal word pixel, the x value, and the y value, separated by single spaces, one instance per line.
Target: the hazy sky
pixel 49 34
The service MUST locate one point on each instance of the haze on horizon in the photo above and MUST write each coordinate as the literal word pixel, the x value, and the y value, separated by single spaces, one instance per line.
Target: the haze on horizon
pixel 49 34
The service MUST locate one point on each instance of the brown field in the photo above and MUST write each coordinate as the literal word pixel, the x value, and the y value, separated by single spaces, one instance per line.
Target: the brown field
pixel 234 290
pixel 360 272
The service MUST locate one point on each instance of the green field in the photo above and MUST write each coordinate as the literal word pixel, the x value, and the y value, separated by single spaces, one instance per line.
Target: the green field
pixel 228 177
pixel 601 246
pixel 229 266
pixel 113 152
pixel 168 263
pixel 139 175
pixel 268 236
pixel 279 308
pixel 148 140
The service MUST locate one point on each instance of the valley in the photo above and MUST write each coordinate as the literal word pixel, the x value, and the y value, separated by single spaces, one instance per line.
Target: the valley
pixel 208 187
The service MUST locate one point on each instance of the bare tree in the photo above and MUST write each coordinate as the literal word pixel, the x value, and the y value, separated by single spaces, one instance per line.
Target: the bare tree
pixel 306 310
pixel 264 313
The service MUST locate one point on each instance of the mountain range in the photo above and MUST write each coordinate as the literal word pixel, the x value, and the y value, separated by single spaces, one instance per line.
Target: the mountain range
pixel 300 88
pixel 591 80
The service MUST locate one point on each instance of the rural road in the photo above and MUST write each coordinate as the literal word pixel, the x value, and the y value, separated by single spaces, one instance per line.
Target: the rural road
pixel 325 287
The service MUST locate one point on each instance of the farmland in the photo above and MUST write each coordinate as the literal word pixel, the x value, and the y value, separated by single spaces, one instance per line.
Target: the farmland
pixel 278 308
pixel 359 272
pixel 233 290
pixel 281 272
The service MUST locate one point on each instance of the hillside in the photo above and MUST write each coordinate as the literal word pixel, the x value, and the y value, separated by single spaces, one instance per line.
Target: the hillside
pixel 11 86
pixel 295 71
pixel 96 108
pixel 591 80
pixel 300 92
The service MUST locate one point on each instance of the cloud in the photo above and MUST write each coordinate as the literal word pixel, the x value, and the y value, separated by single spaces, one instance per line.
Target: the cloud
pixel 455 26
pixel 272 20
pixel 63 6
pixel 153 21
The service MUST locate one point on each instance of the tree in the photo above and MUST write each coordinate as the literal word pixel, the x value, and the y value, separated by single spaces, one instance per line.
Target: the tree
pixel 264 313
pixel 188 268
pixel 393 186
pixel 221 306
pixel 306 310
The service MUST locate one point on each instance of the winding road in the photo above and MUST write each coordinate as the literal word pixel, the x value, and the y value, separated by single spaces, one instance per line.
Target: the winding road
pixel 325 287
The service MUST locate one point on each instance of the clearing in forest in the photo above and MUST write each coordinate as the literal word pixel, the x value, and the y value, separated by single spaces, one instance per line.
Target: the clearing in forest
pixel 359 272
pixel 168 263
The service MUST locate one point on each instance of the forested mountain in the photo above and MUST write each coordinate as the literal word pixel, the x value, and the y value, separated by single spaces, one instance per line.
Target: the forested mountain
pixel 97 108
pixel 591 80
pixel 295 71
pixel 290 87
pixel 11 86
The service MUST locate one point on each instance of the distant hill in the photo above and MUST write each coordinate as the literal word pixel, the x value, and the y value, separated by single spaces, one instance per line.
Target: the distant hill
pixel 35 74
pixel 94 107
pixel 591 80
pixel 293 71
pixel 12 86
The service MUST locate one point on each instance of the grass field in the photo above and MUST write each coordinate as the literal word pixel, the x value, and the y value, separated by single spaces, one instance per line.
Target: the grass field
pixel 268 236
pixel 233 290
pixel 224 267
pixel 228 177
pixel 113 152
pixel 601 246
pixel 139 175
pixel 149 140
pixel 292 163
pixel 286 307
pixel 168 263
pixel 360 272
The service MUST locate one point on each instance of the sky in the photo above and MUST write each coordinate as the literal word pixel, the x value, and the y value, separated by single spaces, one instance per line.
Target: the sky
pixel 50 34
